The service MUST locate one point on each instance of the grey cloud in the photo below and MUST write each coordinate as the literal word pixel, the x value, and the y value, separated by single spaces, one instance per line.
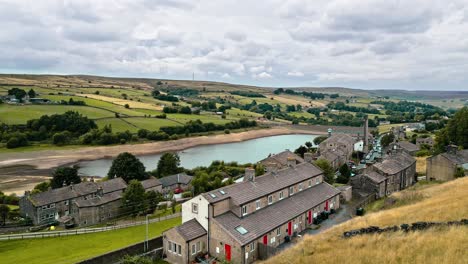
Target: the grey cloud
pixel 236 36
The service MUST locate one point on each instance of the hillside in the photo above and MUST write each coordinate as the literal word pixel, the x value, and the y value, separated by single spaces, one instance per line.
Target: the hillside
pixel 444 202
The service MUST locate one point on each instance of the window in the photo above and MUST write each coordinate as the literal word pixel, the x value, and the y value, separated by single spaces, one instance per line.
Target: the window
pixel 270 199
pixel 195 208
pixel 169 246
pixel 300 186
pixel 317 181
pixel 281 195
pixel 66 202
pixel 44 207
pixel 52 205
pixel 194 250
pixel 252 246
pixel 222 192
pixel 291 190
pixel 213 195
pixel 258 204
pixel 272 240
pixel 310 183
pixel 179 249
pixel 174 247
pixel 244 210
pixel 198 246
pixel 278 231
pixel 241 230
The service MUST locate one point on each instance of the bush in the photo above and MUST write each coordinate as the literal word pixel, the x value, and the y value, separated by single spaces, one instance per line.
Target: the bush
pixel 17 140
pixel 127 106
pixel 143 133
pixel 61 138
pixel 226 131
pixel 423 153
pixel 187 194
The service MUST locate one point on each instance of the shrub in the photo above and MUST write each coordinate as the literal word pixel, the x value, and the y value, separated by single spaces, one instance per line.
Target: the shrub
pixel 226 131
pixel 423 153
pixel 143 133
pixel 127 106
pixel 187 194
pixel 61 138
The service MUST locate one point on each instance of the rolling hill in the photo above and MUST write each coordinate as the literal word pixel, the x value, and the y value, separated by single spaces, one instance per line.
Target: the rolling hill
pixel 443 202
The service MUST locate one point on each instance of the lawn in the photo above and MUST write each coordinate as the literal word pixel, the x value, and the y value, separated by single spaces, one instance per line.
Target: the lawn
pixel 151 124
pixel 78 247
pixel 242 113
pixel 205 118
pixel 20 114
pixel 117 124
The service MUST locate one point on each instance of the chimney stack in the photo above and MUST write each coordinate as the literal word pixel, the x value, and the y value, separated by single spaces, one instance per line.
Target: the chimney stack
pixel 271 167
pixel 291 161
pixel 366 134
pixel 249 174
pixel 329 132
pixel 308 157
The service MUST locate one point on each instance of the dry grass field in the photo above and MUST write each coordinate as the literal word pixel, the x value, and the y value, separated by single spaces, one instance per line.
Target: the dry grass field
pixel 421 165
pixel 443 202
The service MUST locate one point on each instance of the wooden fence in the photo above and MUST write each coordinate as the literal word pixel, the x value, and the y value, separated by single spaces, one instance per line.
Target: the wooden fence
pixel 82 231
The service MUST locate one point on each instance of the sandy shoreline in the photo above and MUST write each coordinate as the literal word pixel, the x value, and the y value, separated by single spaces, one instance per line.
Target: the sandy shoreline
pixel 22 170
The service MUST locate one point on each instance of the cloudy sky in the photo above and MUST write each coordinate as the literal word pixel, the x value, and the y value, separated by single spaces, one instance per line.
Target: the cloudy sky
pixel 359 43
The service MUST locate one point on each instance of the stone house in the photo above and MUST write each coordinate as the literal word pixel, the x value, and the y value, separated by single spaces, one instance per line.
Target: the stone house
pixel 443 167
pixel 409 147
pixel 66 202
pixel 152 184
pixel 263 211
pixel 337 149
pixel 397 171
pixel 280 160
pixel 185 242
pixel 425 141
pixel 177 181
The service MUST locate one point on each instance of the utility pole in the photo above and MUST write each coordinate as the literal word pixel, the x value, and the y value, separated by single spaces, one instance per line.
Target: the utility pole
pixel 146 244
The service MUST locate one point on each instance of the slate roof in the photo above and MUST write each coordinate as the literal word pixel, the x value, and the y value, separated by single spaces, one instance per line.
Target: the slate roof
pixel 282 158
pixel 264 220
pixel 97 201
pixel 332 155
pixel 150 183
pixel 243 192
pixel 395 163
pixel 76 190
pixel 339 138
pixel 191 230
pixel 460 157
pixel 375 176
pixel 408 146
pixel 181 178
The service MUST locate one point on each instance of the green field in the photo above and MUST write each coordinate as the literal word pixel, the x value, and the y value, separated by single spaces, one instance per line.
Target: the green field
pixel 151 124
pixel 78 247
pixel 16 114
pixel 117 124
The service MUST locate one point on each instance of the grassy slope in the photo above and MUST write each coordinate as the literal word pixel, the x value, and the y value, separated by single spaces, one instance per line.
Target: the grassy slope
pixel 442 202
pixel 75 248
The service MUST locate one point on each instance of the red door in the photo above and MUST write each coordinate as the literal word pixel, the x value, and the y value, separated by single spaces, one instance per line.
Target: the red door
pixel 265 240
pixel 310 217
pixel 326 206
pixel 227 252
pixel 290 228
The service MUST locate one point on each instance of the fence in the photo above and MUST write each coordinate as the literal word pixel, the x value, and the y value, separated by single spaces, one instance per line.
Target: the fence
pixel 115 256
pixel 83 230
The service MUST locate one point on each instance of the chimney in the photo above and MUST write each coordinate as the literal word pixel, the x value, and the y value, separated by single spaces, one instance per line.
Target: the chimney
pixel 249 174
pixel 366 134
pixel 100 191
pixel 291 161
pixel 271 167
pixel 308 157
pixel 452 149
pixel 71 186
pixel 330 132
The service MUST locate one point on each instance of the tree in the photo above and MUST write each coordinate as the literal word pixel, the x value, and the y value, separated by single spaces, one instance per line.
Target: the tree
pixel 153 198
pixel 308 144
pixel 455 132
pixel 61 138
pixel 168 164
pixel 301 150
pixel 387 139
pixel 319 139
pixel 185 110
pixel 328 170
pixel 32 93
pixel 259 169
pixel 345 174
pixel 127 106
pixel 128 167
pixel 17 93
pixel 65 176
pixel 41 187
pixel 134 198
pixel 4 210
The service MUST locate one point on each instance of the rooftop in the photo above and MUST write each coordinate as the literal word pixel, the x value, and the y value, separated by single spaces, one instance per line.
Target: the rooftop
pixel 408 146
pixel 243 192
pixel 459 157
pixel 339 138
pixel 150 183
pixel 191 230
pixel 395 162
pixel 282 158
pixel 181 178
pixel 277 214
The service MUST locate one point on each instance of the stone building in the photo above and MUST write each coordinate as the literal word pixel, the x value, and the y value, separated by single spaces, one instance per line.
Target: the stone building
pixel 443 167
pixel 337 149
pixel 152 184
pixel 177 181
pixel 409 147
pixel 425 141
pixel 65 204
pixel 280 160
pixel 263 211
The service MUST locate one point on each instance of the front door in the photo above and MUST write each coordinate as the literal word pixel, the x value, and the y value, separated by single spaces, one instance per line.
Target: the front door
pixel 289 228
pixel 227 251
pixel 326 206
pixel 309 217
pixel 265 240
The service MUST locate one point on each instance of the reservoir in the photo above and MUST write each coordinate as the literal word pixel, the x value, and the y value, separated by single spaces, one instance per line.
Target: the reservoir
pixel 249 151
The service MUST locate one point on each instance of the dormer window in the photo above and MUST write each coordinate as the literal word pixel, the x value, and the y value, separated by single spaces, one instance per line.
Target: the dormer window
pixel 270 199
pixel 258 204
pixel 291 190
pixel 281 195
pixel 310 183
pixel 244 210
pixel 300 186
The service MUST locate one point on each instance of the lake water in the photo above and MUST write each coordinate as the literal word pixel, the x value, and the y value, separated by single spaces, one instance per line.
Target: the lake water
pixel 249 151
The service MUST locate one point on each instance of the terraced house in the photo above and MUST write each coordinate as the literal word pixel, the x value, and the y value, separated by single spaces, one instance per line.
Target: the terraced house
pixel 237 223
